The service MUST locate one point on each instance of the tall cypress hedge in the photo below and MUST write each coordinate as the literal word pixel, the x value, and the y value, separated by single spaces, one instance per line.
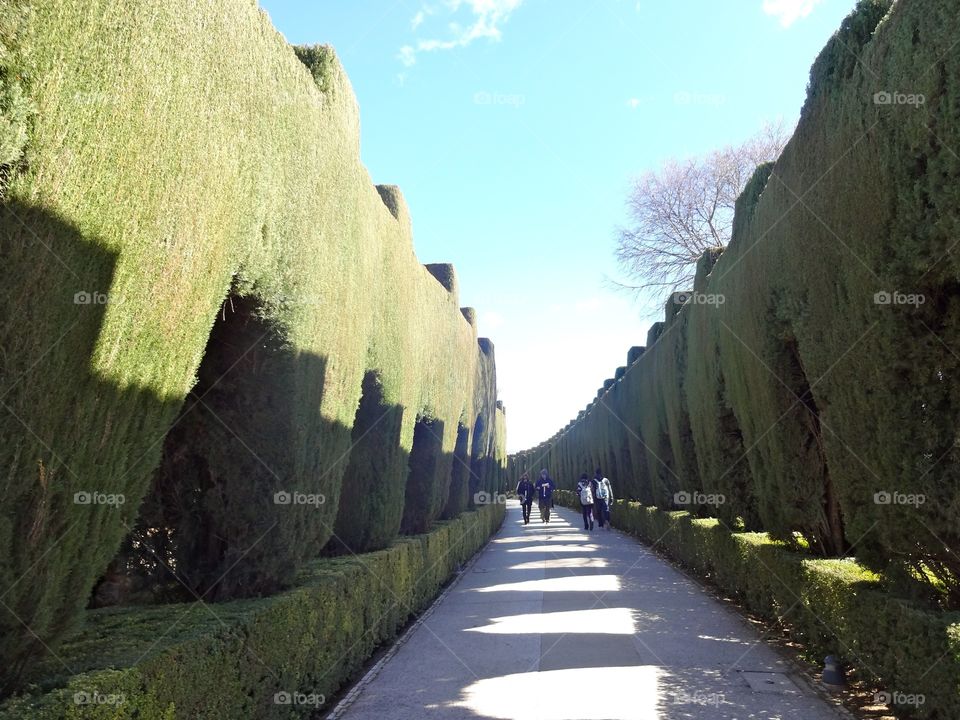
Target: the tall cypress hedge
pixel 240 507
pixel 821 394
pixel 137 217
pixel 717 438
pixel 374 483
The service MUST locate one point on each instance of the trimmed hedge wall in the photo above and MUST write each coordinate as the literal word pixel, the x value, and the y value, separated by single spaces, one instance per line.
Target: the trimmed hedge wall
pixel 808 387
pixel 183 183
pixel 309 640
pixel 832 606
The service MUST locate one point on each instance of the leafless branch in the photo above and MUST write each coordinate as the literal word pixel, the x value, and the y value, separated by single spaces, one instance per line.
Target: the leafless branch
pixel 685 208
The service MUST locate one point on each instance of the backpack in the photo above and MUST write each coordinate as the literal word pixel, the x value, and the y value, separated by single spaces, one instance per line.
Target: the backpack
pixel 586 495
pixel 602 490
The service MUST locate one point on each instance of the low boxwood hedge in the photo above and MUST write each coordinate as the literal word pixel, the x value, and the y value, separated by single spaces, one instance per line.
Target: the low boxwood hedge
pixel 832 606
pixel 275 657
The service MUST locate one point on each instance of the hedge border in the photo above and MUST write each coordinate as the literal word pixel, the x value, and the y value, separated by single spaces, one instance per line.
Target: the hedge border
pixel 833 606
pixel 309 640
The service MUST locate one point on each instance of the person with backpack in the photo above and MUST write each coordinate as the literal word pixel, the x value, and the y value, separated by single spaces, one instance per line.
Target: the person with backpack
pixel 585 492
pixel 601 507
pixel 605 493
pixel 545 488
pixel 525 493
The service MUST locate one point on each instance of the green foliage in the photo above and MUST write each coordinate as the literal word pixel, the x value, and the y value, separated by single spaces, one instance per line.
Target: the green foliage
pixel 229 661
pixel 675 467
pixel 243 178
pixel 428 468
pixel 483 463
pixel 15 105
pixel 445 275
pixel 820 390
pixel 372 498
pixel 240 515
pixel 458 497
pixel 838 62
pixel 720 453
pixel 500 449
pixel 321 61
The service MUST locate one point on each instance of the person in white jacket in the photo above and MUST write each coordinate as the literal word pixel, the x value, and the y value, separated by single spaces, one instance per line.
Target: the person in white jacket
pixel 604 499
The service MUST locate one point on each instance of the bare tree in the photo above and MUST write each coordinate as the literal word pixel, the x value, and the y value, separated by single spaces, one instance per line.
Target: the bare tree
pixel 685 208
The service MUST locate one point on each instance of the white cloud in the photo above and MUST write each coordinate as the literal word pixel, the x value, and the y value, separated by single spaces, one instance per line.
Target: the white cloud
pixel 484 20
pixel 407 55
pixel 428 45
pixel 789 11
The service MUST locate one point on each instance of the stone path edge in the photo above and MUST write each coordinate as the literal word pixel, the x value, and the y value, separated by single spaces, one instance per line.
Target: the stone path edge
pixel 371 674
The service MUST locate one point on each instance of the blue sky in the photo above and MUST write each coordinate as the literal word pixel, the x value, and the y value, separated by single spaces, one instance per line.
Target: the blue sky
pixel 513 128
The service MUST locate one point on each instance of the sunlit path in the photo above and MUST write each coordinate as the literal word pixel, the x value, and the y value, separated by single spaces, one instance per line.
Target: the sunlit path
pixel 551 623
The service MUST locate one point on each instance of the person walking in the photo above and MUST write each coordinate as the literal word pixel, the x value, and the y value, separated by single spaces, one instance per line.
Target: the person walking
pixel 585 492
pixel 601 508
pixel 525 493
pixel 545 488
pixel 606 492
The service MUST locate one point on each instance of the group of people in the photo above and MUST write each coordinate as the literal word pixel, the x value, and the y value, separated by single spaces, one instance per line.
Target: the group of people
pixel 543 490
pixel 596 496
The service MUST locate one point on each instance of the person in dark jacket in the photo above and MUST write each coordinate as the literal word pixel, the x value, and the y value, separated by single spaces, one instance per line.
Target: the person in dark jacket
pixel 585 491
pixel 545 488
pixel 525 492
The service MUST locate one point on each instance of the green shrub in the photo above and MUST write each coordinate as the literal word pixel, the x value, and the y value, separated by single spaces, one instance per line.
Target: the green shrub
pixel 428 469
pixel 229 660
pixel 458 495
pixel 239 514
pixel 374 483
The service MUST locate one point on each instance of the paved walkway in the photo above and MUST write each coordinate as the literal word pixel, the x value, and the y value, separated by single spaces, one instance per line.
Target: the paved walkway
pixel 552 623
